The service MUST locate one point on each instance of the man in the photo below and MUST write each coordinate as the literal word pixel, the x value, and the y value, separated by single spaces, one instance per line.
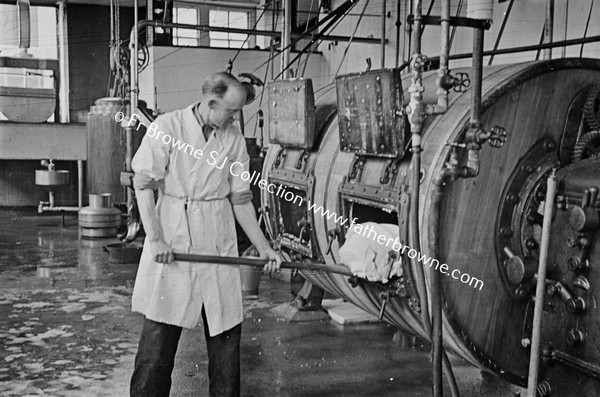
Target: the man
pixel 198 198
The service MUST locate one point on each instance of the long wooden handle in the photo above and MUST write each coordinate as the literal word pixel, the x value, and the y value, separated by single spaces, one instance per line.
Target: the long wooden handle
pixel 257 262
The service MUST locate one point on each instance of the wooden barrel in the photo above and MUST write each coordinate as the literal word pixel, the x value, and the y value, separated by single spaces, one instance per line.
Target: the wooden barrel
pixel 486 326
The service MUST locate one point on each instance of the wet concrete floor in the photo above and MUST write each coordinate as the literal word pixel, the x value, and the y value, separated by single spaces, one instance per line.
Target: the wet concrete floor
pixel 67 330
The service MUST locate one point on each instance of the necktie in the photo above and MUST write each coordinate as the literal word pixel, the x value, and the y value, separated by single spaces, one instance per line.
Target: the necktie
pixel 207 130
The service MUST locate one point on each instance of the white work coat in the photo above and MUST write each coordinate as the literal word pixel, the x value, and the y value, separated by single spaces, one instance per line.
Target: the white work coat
pixel 175 293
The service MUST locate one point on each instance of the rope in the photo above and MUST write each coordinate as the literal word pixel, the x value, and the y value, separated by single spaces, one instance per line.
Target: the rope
pixel 587 25
pixel 352 38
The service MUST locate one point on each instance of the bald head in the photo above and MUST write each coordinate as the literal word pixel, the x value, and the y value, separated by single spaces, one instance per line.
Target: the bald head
pixel 225 97
pixel 218 85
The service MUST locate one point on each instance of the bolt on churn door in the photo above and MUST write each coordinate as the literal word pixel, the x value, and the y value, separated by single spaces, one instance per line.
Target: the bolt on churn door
pixel 292 113
pixel 371 113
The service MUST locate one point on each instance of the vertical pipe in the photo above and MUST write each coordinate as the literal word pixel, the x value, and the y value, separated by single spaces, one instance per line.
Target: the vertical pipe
pixel 383 12
pixel 285 38
pixel 80 183
pixel 398 26
pixel 548 29
pixel 133 103
pixel 564 49
pixel 540 287
pixel 417 28
pixel 444 53
pixel 477 78
pixel 63 62
pixel 436 316
pixel 24 27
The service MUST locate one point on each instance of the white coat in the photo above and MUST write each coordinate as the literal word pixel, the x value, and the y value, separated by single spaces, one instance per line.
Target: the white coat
pixel 175 293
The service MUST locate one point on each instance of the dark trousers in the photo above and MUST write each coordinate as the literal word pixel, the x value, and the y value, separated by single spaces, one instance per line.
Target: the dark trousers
pixel 155 359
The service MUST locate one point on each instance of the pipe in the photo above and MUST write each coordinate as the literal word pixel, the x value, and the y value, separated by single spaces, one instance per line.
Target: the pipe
pixel 548 29
pixel 436 303
pixel 80 183
pixel 477 73
pixel 339 268
pixel 24 27
pixel 540 287
pixel 383 12
pixel 63 63
pixel 398 26
pixel 534 47
pixel 417 27
pixel 416 114
pixel 442 92
pixel 134 96
pixel 565 33
pixel 42 208
pixel 285 37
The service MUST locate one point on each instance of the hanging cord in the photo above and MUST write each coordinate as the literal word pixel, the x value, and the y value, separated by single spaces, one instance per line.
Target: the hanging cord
pixel 232 61
pixel 262 92
pixel 305 30
pixel 587 25
pixel 314 47
pixel 351 38
pixel 501 32
pixel 334 21
pixel 458 11
pixel 182 48
pixel 340 10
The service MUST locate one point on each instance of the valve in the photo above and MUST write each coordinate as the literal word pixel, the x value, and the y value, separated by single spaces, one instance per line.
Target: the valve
pixel 48 164
pixel 574 305
pixel 497 137
pixel 461 82
pixel 419 62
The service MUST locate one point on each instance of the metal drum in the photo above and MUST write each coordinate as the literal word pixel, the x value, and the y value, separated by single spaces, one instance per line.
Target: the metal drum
pixel 541 105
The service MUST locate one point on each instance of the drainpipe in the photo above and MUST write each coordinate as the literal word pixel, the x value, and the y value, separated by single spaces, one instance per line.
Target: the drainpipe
pixel 548 29
pixel 63 62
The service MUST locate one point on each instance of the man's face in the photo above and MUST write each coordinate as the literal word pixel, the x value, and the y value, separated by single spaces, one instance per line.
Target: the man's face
pixel 225 110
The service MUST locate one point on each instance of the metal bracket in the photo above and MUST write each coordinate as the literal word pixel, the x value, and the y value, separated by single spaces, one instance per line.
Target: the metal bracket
pixel 302 160
pixel 389 169
pixel 279 158
pixel 356 168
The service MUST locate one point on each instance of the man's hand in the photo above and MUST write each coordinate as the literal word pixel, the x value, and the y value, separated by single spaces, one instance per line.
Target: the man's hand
pixel 274 260
pixel 161 251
